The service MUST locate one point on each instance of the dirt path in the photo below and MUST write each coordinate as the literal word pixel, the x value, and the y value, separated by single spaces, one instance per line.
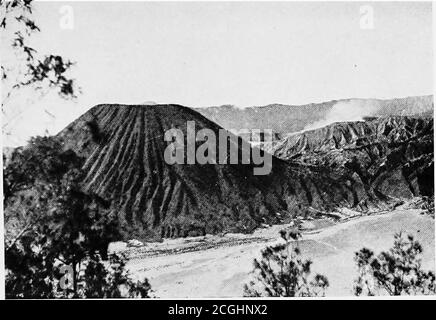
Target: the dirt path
pixel 220 266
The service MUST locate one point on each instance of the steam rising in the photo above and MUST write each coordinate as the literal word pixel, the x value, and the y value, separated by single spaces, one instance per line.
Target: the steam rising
pixel 352 110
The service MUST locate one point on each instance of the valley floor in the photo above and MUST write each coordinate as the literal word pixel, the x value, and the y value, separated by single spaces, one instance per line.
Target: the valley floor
pixel 214 266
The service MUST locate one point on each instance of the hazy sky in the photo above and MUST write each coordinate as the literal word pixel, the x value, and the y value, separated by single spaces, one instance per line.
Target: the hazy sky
pixel 203 54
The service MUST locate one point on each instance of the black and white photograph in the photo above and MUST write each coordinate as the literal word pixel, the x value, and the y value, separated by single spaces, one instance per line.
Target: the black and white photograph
pixel 217 150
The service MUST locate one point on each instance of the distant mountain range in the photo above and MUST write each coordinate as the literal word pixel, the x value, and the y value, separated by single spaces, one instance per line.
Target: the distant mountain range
pixel 284 119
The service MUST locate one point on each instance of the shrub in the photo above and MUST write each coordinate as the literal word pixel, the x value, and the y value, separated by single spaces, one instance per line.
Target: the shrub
pixel 282 272
pixel 59 227
pixel 397 271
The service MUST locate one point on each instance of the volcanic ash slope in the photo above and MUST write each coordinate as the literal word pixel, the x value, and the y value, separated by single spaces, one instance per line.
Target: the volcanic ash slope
pixel 124 149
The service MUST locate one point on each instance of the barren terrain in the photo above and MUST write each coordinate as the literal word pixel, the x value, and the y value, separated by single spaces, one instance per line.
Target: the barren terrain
pixel 218 266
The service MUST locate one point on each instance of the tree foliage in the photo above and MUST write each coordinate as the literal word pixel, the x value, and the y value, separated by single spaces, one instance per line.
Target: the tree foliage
pixel 52 223
pixel 22 65
pixel 282 272
pixel 116 280
pixel 397 271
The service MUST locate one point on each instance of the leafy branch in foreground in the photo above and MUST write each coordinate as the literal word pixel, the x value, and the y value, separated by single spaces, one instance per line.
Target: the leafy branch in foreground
pixel 21 65
pixel 282 272
pixel 397 271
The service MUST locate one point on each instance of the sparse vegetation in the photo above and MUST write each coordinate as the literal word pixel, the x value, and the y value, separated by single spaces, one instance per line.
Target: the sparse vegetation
pixel 27 68
pixel 397 271
pixel 282 272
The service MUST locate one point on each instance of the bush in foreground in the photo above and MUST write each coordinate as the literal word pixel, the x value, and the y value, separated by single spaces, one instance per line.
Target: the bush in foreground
pixel 397 271
pixel 282 272
pixel 58 235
